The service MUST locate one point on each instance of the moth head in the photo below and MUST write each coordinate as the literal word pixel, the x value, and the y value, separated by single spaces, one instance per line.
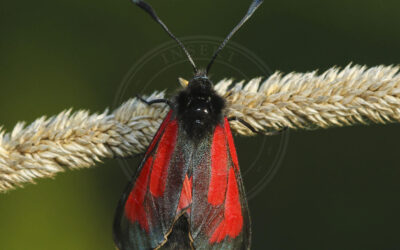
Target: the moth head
pixel 199 85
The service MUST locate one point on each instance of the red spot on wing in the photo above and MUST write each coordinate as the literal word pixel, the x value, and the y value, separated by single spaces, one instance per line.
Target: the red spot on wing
pixel 219 168
pixel 162 159
pixel 186 195
pixel 159 132
pixel 134 209
pixel 232 149
pixel 232 223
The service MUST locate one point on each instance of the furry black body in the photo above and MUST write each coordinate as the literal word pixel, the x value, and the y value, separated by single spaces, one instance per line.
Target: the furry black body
pixel 199 107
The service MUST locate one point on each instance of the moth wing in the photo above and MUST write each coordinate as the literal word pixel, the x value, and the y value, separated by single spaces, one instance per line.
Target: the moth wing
pixel 219 217
pixel 148 207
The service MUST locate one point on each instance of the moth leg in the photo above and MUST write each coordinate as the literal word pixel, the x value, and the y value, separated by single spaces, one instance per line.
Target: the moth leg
pixel 247 125
pixel 155 101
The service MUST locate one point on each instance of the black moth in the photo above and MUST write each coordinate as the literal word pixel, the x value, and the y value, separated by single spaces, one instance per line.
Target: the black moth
pixel 188 192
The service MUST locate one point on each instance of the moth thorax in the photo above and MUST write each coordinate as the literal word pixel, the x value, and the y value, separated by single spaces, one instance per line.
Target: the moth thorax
pixel 199 107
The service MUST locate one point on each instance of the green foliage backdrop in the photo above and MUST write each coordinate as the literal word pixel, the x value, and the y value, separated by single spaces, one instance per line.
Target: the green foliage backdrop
pixel 336 189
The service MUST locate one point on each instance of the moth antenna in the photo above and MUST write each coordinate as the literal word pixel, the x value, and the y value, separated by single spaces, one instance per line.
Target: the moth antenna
pixel 146 7
pixel 254 5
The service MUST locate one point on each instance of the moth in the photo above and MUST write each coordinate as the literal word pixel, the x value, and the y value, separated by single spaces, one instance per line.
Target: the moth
pixel 188 192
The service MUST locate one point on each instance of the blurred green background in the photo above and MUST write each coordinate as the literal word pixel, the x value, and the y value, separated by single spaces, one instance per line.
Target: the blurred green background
pixel 336 188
